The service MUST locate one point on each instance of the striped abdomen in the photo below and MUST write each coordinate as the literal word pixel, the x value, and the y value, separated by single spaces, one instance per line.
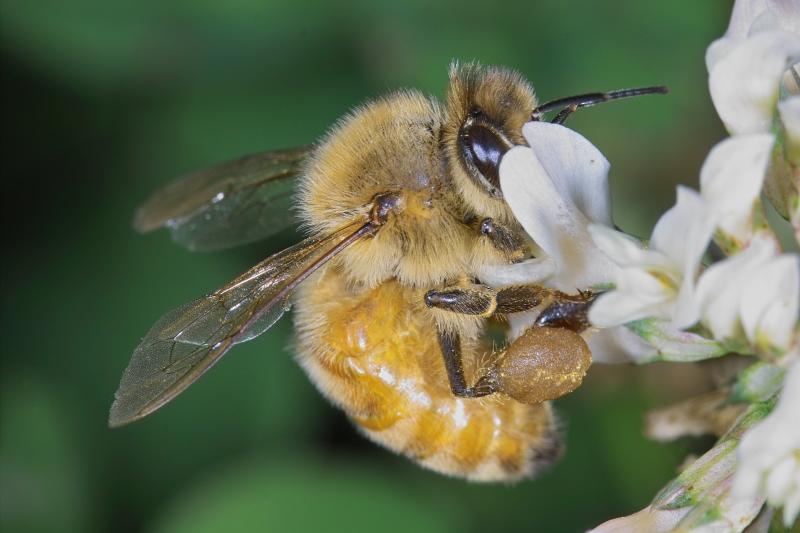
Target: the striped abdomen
pixel 375 354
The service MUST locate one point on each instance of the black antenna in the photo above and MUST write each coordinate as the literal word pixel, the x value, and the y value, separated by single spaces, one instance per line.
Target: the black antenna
pixel 570 104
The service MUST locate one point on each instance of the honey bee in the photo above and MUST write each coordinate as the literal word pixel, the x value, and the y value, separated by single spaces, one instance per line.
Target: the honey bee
pixel 403 205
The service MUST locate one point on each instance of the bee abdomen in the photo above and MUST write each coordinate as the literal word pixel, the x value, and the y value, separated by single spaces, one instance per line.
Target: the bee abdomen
pixel 490 439
pixel 377 360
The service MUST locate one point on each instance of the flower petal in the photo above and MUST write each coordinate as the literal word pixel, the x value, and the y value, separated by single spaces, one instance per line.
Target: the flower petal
pixel 622 306
pixel 683 234
pixel 553 221
pixel 780 479
pixel 720 288
pixel 779 15
pixel 522 273
pixel 744 82
pixel 578 169
pixel 791 507
pixel 684 231
pixel 742 16
pixel 770 303
pixel 627 251
pixel 619 345
pixel 731 180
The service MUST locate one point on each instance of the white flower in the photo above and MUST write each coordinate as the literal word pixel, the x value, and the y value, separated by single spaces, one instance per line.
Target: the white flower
pixel 747 65
pixel 730 182
pixel 750 68
pixel 769 453
pixel 556 188
pixel 745 83
pixel 657 281
pixel 754 293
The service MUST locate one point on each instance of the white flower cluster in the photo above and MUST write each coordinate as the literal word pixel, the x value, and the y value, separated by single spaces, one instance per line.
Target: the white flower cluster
pixel 747 302
pixel 750 298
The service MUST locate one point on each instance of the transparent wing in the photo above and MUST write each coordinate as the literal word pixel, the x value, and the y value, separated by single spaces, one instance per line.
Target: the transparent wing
pixel 229 204
pixel 187 341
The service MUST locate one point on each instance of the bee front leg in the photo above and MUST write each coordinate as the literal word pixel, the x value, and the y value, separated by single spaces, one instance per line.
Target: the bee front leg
pixel 502 238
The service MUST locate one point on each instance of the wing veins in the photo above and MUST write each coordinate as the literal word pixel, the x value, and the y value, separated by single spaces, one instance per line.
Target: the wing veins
pixel 258 302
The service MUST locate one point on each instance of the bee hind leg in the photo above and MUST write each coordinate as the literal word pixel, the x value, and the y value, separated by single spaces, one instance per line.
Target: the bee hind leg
pixel 567 311
pixel 450 344
pixel 541 364
pixel 549 360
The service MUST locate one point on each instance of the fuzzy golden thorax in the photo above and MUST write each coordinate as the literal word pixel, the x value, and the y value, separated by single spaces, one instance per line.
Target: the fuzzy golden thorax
pixel 389 145
pixel 407 144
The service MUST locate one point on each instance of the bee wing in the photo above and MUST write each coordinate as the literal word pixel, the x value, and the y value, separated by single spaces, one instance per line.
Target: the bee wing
pixel 229 204
pixel 187 341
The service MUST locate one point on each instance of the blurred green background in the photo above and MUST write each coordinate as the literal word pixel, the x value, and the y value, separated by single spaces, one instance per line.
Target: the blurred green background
pixel 103 101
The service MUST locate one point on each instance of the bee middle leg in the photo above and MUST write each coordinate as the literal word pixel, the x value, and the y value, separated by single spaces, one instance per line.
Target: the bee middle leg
pixel 480 300
pixel 560 310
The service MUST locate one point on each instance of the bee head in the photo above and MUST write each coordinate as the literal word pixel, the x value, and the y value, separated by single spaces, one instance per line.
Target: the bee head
pixel 486 109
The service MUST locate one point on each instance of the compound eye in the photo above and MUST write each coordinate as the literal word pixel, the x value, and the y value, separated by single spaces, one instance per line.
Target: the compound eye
pixel 485 149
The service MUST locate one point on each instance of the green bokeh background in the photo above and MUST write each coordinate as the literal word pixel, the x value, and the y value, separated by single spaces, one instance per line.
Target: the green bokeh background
pixel 103 101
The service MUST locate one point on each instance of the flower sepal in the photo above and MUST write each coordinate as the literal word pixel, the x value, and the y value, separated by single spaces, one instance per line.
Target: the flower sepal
pixel 757 383
pixel 672 344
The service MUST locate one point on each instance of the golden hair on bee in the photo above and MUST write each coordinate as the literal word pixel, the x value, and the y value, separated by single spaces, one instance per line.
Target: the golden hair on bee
pixel 403 204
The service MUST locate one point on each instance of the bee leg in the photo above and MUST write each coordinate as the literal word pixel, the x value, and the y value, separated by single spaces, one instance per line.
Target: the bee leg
pixel 546 362
pixel 502 238
pixel 473 299
pixel 450 344
pixel 520 298
pixel 550 359
pixel 567 311
pixel 484 301
pixel 541 364
pixel 564 113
